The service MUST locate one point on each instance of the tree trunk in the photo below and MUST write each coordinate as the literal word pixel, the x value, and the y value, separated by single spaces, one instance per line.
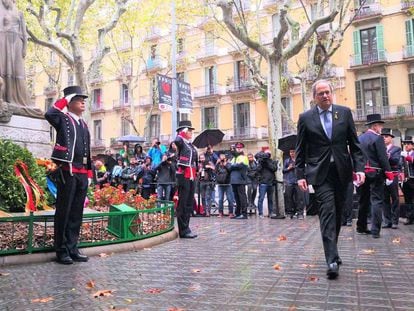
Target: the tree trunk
pixel 275 126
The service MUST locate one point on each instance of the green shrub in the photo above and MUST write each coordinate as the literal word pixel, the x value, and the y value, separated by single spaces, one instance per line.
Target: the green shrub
pixel 12 194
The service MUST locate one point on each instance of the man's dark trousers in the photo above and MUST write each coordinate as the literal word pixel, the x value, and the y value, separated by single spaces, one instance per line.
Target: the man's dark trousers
pixel 330 196
pixel 240 197
pixel 186 189
pixel 408 190
pixel 391 203
pixel 371 195
pixel 71 193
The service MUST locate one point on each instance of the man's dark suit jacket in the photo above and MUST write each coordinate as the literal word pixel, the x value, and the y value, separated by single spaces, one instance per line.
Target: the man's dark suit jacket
pixel 314 149
pixel 374 150
pixel 395 158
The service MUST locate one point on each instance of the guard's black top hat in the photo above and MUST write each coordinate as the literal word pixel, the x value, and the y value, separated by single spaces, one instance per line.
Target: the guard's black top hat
pixel 387 131
pixel 74 89
pixel 408 139
pixel 374 118
pixel 184 124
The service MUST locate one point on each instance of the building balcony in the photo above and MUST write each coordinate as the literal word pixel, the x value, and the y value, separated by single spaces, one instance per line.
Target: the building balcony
pixel 50 91
pixel 145 101
pixel 97 108
pixel 408 51
pixel 210 90
pixel 98 144
pixel 120 105
pixel 367 13
pixel 368 59
pixel 155 64
pixel 96 80
pixel 270 5
pixel 387 112
pixel 240 87
pixel 407 4
pixel 245 133
pixel 209 53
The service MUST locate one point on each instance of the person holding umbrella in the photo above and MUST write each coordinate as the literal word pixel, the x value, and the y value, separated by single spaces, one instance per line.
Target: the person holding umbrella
pixel 187 163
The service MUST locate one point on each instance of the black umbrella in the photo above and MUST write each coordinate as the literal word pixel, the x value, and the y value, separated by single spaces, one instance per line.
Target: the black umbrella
pixel 109 161
pixel 287 143
pixel 208 137
pixel 131 138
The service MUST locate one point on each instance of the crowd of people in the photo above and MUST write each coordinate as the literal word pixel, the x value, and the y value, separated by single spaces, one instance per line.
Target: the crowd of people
pixel 245 181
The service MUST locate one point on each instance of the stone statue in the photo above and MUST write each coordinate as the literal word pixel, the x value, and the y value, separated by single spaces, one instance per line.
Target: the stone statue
pixel 13 44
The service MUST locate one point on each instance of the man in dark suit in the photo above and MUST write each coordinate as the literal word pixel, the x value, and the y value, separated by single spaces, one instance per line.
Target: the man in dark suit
pixel 327 150
pixel 377 170
pixel 72 155
pixel 391 210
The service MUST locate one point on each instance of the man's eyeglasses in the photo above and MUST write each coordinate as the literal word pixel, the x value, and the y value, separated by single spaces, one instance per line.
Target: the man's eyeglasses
pixel 323 93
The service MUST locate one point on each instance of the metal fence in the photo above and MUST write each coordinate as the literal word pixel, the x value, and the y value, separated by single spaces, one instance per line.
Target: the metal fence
pixel 34 233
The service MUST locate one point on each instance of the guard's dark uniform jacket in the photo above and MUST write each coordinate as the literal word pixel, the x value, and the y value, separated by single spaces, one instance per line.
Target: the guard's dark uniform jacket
pixel 67 138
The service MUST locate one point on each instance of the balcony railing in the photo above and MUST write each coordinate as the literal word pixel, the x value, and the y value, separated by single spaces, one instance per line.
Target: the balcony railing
pixel 387 112
pixel 156 63
pixel 368 10
pixel 406 4
pixel 208 52
pixel 240 86
pixel 97 107
pixel 408 51
pixel 213 89
pixel 245 133
pixel 368 58
pixel 98 143
pixel 119 104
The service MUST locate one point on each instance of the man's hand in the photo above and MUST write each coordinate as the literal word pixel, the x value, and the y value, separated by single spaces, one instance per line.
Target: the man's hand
pixel 303 185
pixel 388 181
pixel 359 178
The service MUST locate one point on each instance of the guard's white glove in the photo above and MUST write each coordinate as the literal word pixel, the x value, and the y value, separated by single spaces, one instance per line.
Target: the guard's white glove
pixel 404 153
pixel 89 181
pixel 69 97
pixel 388 182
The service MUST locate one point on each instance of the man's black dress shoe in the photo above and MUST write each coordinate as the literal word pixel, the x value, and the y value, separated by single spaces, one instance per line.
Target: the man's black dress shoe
pixel 277 217
pixel 64 259
pixel 375 235
pixel 189 235
pixel 394 226
pixel 241 217
pixel 364 231
pixel 387 226
pixel 79 257
pixel 333 271
pixel 349 223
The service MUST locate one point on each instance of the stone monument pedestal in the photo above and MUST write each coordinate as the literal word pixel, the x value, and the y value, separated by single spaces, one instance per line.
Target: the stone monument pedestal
pixel 31 133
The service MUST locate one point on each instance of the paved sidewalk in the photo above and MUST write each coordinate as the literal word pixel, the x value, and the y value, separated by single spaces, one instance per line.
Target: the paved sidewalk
pixel 233 265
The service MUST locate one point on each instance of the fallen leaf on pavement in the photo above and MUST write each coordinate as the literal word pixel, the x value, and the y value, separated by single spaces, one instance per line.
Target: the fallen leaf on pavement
pixel 90 284
pixel 369 251
pixel 153 290
pixel 307 265
pixel 194 287
pixel 282 238
pixel 396 241
pixel 128 300
pixel 313 278
pixel 4 274
pixel 103 293
pixel 196 270
pixel 277 267
pixel 360 271
pixel 42 300
pixel 292 308
pixel 175 309
pixel 387 264
pixel 103 255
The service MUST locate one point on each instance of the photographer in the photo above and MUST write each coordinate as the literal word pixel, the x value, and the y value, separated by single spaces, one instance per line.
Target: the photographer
pixel 223 182
pixel 130 176
pixel 253 180
pixel 165 176
pixel 266 170
pixel 147 174
pixel 205 176
pixel 156 151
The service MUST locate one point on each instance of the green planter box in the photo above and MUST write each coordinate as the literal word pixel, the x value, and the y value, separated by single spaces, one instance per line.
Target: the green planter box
pixel 120 225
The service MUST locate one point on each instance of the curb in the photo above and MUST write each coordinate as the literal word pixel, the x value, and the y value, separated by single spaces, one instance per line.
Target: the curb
pixel 92 251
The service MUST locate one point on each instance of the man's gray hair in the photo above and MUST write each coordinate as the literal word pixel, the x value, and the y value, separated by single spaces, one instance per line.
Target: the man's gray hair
pixel 315 84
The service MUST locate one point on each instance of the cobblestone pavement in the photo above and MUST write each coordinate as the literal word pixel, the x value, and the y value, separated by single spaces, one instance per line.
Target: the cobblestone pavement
pixel 254 264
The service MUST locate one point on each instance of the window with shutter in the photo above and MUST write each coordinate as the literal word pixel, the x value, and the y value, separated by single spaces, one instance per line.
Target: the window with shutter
pixel 357 48
pixel 409 34
pixel 411 85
